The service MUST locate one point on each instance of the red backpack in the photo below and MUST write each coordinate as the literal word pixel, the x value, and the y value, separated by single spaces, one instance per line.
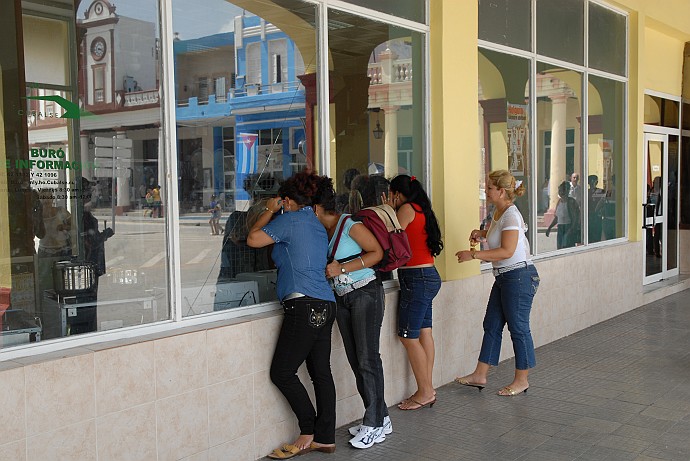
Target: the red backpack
pixel 383 223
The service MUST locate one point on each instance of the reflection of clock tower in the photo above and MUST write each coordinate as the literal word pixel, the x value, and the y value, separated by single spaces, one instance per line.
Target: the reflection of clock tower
pixel 98 57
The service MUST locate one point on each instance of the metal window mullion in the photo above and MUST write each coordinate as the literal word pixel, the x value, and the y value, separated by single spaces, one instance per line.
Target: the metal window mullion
pixel 378 15
pixel 170 151
pixel 533 155
pixel 322 88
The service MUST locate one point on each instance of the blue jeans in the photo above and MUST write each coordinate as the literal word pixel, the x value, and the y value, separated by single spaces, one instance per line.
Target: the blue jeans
pixel 360 315
pixel 418 288
pixel 511 302
pixel 306 335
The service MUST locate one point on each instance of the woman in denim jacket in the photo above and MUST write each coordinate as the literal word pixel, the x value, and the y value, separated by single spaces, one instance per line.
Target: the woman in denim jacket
pixel 359 294
pixel 299 253
pixel 516 284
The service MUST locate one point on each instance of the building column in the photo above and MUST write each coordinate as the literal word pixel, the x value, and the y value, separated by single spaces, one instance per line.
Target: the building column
pixel 390 129
pixel 85 155
pixel 123 200
pixel 557 172
pixel 160 180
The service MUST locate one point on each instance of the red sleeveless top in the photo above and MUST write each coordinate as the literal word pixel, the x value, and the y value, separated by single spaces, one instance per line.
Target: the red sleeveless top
pixel 416 233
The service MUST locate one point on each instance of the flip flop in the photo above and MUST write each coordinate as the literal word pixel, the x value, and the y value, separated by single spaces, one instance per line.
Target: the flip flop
pixel 288 451
pixel 419 405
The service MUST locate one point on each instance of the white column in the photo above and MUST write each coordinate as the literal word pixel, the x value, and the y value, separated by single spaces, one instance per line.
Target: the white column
pixel 123 199
pixel 390 129
pixel 84 155
pixel 557 174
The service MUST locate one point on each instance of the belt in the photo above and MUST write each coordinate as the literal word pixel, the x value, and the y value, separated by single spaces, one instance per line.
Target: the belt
pixel 502 270
pixel 294 295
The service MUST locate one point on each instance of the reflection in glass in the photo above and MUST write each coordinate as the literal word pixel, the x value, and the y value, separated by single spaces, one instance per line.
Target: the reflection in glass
pixel 245 89
pixel 414 10
pixel 377 106
pixel 661 111
pixel 94 264
pixel 506 22
pixel 609 27
pixel 560 29
pixel 559 152
pixel 606 106
pixel 671 245
pixel 504 124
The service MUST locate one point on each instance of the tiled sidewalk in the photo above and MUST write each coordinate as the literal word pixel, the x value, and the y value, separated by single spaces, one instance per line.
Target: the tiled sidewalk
pixel 619 390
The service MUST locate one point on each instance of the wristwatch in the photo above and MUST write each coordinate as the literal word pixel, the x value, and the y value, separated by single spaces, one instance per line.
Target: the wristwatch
pixel 342 269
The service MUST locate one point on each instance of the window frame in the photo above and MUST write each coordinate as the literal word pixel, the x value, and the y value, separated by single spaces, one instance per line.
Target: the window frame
pixel 585 71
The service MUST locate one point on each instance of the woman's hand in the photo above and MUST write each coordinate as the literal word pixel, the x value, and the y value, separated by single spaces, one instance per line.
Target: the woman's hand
pixel 333 269
pixel 476 237
pixel 274 204
pixel 388 199
pixel 464 255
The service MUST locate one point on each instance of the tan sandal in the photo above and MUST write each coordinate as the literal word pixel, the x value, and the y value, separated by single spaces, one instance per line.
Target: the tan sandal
pixel 288 451
pixel 510 392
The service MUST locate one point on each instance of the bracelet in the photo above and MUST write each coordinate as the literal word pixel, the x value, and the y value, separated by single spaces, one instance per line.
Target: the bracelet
pixel 268 209
pixel 362 261
pixel 473 252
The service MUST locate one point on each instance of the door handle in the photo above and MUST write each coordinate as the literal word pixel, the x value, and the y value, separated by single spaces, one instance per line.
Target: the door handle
pixel 645 208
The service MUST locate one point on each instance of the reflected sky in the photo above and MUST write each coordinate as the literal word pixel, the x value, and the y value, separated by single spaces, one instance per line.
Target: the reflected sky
pixel 191 18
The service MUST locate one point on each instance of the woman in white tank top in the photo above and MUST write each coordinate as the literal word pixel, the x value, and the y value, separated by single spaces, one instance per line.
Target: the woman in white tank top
pixel 516 284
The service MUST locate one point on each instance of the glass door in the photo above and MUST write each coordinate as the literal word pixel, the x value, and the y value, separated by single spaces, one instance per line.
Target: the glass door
pixel 660 202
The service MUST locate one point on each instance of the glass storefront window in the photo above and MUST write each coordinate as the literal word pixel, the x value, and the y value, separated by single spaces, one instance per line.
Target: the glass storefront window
pixel 559 165
pixel 87 259
pixel 560 29
pixel 504 124
pixel 377 106
pixel 606 157
pixel 506 22
pixel 245 121
pixel 609 27
pixel 414 10
pixel 661 111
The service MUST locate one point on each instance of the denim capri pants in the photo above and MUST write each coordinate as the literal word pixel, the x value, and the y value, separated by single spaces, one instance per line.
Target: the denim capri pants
pixel 418 287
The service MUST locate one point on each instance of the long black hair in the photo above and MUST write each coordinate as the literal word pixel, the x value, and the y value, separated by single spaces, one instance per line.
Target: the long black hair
pixel 412 189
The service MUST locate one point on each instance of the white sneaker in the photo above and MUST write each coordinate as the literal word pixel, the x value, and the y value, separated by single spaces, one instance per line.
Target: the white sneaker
pixel 367 436
pixel 387 427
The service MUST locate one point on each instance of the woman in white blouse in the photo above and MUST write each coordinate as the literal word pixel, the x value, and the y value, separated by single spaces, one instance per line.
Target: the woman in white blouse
pixel 516 284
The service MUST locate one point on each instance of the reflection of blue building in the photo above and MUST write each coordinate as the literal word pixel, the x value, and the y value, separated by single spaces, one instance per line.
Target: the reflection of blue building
pixel 239 111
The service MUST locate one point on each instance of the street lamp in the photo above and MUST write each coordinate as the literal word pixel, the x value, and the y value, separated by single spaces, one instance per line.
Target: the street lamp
pixel 378 131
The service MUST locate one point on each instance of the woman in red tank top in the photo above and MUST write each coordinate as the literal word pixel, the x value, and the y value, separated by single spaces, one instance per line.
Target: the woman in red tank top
pixel 419 284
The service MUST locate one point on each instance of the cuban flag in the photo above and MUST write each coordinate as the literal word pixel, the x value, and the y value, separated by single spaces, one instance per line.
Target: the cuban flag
pixel 246 162
pixel 248 154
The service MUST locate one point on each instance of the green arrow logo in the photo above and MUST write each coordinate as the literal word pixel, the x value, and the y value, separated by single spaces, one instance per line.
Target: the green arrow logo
pixel 72 110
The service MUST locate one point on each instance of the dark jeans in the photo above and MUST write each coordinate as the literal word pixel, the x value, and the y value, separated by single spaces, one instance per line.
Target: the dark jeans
pixel 360 315
pixel 511 302
pixel 306 335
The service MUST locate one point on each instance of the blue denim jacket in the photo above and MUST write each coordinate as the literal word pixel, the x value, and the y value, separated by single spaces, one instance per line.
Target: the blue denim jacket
pixel 300 254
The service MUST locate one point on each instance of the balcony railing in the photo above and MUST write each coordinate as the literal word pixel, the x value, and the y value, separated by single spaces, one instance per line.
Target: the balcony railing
pixel 401 71
pixel 141 98
pixel 250 89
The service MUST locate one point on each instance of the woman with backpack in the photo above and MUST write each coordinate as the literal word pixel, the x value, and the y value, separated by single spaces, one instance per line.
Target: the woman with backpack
pixel 419 284
pixel 352 250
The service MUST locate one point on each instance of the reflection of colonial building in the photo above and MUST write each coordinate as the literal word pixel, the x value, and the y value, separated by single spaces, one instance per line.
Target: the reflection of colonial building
pixel 390 92
pixel 119 84
pixel 231 86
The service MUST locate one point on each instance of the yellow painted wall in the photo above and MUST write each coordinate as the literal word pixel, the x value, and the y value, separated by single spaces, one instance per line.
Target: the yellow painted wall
pixel 664 62
pixel 455 142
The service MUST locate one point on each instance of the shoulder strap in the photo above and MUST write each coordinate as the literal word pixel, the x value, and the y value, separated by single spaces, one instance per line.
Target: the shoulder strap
pixel 338 235
pixel 387 215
